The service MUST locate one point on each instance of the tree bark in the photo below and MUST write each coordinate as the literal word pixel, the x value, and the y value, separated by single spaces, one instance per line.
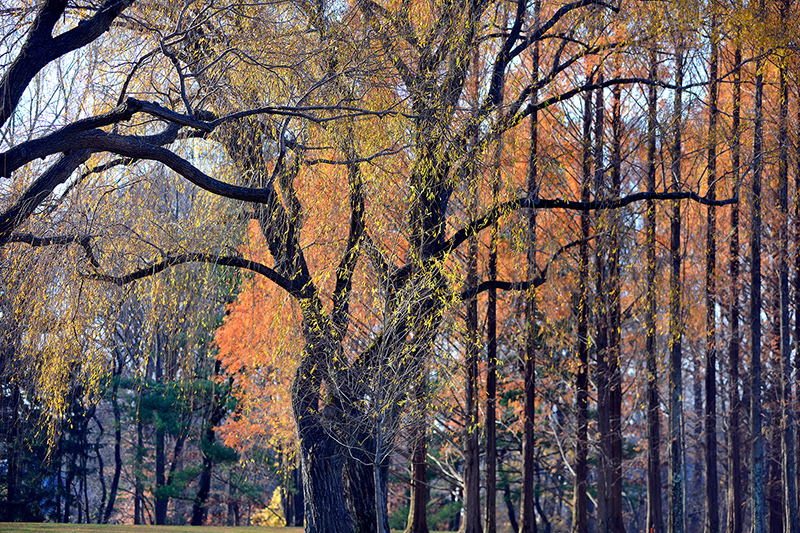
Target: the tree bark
pixel 734 428
pixel 112 491
pixel 604 467
pixel 472 471
pixel 655 518
pixel 787 425
pixel 580 506
pixel 712 492
pixel 676 522
pixel 160 503
pixel 757 500
pixel 617 518
pixel 529 364
pixel 797 288
pixel 417 514
pixel 472 479
pixel 138 493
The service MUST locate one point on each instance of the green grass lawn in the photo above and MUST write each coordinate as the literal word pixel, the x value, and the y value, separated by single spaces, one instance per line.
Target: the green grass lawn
pixel 6 527
pixel 19 527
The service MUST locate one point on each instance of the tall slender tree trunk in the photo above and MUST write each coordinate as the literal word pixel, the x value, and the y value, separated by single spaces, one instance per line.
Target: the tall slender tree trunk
pixel 604 470
pixel 757 501
pixel 101 476
pixel 214 418
pixel 615 321
pixel 160 502
pixel 676 522
pixel 655 518
pixel 491 344
pixel 734 427
pixel 472 451
pixel 529 412
pixel 138 492
pixel 787 425
pixel 580 506
pixel 797 286
pixel 491 333
pixel 112 492
pixel 712 490
pixel 12 447
pixel 472 472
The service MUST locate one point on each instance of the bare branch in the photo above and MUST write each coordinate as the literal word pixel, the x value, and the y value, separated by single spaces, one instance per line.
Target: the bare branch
pixel 460 236
pixel 58 240
pixel 179 259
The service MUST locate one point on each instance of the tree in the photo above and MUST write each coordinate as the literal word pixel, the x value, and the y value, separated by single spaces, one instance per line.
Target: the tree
pixel 712 497
pixel 757 505
pixel 676 519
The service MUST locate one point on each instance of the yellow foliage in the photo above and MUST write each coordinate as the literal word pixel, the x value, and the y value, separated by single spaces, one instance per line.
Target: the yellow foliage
pixel 272 515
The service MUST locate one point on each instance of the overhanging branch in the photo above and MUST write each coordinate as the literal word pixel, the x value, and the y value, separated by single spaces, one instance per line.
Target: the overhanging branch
pixel 179 259
pixel 505 208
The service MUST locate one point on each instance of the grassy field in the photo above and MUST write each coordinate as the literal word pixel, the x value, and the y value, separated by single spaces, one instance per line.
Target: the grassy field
pixel 17 527
pixel 6 527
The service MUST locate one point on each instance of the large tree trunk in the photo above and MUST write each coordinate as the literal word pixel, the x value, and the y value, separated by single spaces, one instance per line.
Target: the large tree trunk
pixel 655 518
pixel 324 496
pixel 417 514
pixel 358 475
